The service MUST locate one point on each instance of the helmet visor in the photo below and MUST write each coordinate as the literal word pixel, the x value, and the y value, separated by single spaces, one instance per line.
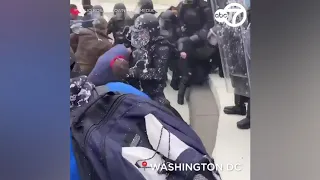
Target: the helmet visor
pixel 119 15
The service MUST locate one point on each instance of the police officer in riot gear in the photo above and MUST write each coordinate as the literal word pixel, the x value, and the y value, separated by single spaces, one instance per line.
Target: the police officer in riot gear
pixel 239 83
pixel 169 26
pixel 86 5
pixel 144 6
pixel 245 123
pixel 150 55
pixel 118 22
pixel 196 19
pixel 170 30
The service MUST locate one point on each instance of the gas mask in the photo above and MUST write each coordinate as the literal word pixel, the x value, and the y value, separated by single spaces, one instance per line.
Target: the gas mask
pixel 95 16
pixel 139 38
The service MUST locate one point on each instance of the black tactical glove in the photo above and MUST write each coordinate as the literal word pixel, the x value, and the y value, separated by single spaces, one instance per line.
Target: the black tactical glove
pixel 127 37
pixel 184 44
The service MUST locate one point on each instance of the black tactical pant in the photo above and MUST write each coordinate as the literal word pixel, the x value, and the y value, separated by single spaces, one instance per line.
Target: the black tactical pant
pixel 176 66
pixel 240 101
pixel 195 70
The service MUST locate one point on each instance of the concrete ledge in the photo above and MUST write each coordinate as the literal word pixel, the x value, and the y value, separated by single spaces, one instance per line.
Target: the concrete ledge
pixel 204 111
pixel 204 114
pixel 232 144
pixel 214 92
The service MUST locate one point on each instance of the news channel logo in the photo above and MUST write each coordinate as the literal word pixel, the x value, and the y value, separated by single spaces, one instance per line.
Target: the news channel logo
pixel 231 11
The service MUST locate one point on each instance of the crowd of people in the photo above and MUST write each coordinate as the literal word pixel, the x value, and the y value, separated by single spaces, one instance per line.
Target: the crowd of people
pixel 134 54
pixel 176 40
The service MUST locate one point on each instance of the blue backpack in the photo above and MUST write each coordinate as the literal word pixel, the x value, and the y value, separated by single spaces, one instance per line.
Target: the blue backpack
pixel 124 137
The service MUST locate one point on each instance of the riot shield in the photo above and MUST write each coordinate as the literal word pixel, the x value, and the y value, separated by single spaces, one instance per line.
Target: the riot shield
pixel 232 52
pixel 247 49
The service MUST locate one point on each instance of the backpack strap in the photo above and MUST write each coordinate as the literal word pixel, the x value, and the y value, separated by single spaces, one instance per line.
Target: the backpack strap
pixel 77 112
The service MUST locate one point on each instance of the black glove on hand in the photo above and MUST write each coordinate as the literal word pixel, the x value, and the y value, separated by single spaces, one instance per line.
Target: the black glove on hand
pixel 184 44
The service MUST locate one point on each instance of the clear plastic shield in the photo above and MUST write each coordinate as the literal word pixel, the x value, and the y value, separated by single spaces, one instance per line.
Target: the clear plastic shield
pixel 247 49
pixel 232 52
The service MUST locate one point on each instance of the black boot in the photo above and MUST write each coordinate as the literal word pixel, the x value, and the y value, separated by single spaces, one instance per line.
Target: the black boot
pixel 175 84
pixel 239 110
pixel 221 74
pixel 184 84
pixel 181 93
pixel 244 123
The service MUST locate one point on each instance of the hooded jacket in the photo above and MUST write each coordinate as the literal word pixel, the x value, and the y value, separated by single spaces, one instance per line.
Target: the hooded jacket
pixel 102 72
pixel 89 44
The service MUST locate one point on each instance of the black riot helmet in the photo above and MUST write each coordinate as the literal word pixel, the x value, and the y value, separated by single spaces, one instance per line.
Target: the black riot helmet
pixel 145 29
pixel 145 6
pixel 167 19
pixel 97 11
pixel 119 11
pixel 86 4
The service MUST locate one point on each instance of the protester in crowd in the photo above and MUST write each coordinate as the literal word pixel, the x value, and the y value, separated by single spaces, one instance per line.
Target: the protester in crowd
pixel 74 15
pixel 72 59
pixel 88 86
pixel 111 66
pixel 74 12
pixel 89 44
pixel 87 107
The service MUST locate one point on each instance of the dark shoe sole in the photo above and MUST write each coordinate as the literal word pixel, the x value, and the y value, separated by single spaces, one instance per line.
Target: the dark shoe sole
pixel 243 127
pixel 234 113
pixel 244 124
pixel 174 87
